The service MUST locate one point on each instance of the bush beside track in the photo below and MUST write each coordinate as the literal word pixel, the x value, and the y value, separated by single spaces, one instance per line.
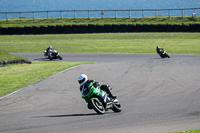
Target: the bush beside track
pixel 107 28
pixel 10 62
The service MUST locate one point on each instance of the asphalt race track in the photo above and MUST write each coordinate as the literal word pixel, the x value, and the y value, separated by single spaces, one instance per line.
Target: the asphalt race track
pixel 157 95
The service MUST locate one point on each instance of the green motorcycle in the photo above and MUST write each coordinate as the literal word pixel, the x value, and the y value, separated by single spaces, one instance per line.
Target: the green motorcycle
pixel 99 100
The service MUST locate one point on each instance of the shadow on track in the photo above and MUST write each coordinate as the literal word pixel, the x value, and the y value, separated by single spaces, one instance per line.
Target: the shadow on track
pixel 70 115
pixel 45 59
pixel 41 59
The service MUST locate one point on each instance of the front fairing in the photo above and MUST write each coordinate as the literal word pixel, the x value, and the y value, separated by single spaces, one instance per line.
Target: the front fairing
pixel 54 54
pixel 88 93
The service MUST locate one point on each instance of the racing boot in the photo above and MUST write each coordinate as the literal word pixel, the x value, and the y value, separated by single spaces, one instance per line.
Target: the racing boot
pixel 89 107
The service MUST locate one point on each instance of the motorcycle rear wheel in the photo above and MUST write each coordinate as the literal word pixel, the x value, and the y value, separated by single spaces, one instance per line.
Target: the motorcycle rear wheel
pixel 97 105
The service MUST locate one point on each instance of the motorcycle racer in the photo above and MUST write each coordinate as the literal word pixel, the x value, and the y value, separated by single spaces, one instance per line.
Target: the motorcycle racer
pixel 48 50
pixel 85 82
pixel 162 52
pixel 158 49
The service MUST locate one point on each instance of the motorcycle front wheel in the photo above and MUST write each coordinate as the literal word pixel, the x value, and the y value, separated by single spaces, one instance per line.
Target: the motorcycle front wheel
pixel 167 55
pixel 97 105
pixel 60 57
pixel 116 106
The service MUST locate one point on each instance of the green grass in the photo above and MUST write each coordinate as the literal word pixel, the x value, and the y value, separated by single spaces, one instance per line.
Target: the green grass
pixel 5 56
pixel 14 77
pixel 174 43
pixel 16 22
pixel 188 131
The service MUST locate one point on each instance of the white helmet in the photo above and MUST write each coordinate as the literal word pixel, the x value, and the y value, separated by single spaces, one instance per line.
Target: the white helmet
pixel 50 46
pixel 82 79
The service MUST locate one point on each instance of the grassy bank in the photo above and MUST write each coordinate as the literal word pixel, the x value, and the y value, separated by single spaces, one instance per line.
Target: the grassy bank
pixel 188 131
pixel 16 22
pixel 14 77
pixel 174 43
pixel 5 56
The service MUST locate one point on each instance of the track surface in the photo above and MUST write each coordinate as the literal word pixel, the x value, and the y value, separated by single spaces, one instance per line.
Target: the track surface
pixel 157 95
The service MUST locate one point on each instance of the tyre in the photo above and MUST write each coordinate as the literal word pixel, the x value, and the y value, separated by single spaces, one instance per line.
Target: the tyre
pixel 60 57
pixel 97 105
pixel 116 106
pixel 168 56
pixel 49 58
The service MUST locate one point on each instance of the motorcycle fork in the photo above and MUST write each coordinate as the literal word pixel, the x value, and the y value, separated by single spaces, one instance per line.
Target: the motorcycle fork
pixel 103 97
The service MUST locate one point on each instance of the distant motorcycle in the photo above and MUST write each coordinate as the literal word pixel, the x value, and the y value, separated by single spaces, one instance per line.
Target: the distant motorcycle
pixel 53 54
pixel 162 52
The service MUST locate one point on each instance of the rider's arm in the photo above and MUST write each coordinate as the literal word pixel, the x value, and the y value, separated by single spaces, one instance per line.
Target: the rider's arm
pixel 81 89
pixel 95 84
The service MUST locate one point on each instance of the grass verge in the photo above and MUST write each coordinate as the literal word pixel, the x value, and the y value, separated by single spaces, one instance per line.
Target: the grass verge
pixel 14 77
pixel 25 22
pixel 174 43
pixel 188 131
pixel 5 56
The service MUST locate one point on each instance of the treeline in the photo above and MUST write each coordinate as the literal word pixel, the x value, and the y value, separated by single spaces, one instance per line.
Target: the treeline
pixel 112 28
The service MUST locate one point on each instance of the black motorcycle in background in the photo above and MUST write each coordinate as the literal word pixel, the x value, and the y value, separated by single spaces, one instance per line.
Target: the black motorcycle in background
pixel 53 54
pixel 162 52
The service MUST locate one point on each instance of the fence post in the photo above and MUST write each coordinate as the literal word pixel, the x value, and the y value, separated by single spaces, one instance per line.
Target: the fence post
pixel 142 14
pixel 102 13
pixel 194 14
pixel 115 14
pixel 156 13
pixel 47 14
pixel 61 15
pixel 169 13
pixel 88 14
pixel 20 16
pixel 6 16
pixel 182 13
pixel 33 15
pixel 74 14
